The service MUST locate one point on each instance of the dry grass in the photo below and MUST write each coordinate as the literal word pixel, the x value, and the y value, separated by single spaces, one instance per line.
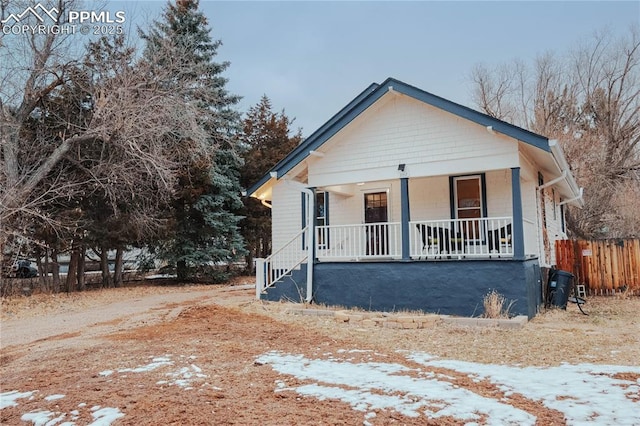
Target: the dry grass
pixel 608 335
pixel 494 305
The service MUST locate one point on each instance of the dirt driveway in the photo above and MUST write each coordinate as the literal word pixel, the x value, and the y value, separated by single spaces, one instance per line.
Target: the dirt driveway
pixel 213 355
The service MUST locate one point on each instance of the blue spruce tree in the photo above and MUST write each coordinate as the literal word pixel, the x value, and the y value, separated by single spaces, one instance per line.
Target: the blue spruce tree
pixel 203 222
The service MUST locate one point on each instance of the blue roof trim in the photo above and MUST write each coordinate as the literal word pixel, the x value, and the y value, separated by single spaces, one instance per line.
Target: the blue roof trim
pixel 498 125
pixel 367 98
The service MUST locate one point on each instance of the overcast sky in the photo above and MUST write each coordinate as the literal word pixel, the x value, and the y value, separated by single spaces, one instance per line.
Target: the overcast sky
pixel 312 58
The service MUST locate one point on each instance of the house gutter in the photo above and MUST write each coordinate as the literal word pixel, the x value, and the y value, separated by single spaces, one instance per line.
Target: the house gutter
pixel 266 203
pixel 563 165
pixel 311 233
pixel 579 197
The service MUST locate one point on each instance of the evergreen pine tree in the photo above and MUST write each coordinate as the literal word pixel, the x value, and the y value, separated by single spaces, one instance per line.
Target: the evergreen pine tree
pixel 204 216
pixel 266 138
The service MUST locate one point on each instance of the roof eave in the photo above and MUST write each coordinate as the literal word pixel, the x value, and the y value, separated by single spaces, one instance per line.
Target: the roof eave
pixel 563 164
pixel 368 97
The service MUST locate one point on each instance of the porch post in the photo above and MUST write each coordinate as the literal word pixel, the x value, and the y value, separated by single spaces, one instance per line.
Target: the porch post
pixel 405 218
pixel 311 254
pixel 516 201
pixel 260 277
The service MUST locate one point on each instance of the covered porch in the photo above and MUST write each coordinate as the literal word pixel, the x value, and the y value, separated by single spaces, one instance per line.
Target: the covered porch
pixel 447 217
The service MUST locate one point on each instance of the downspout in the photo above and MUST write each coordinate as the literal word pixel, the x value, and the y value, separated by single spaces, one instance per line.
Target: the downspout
pixel 311 243
pixel 562 203
pixel 553 181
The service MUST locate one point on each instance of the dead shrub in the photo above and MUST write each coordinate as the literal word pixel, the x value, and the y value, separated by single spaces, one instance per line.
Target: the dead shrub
pixel 495 305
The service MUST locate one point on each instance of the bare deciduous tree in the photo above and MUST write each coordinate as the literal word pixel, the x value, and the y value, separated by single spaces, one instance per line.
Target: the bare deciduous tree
pixel 137 126
pixel 590 101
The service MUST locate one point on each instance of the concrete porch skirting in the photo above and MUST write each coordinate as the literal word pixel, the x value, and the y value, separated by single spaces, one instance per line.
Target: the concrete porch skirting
pixel 445 287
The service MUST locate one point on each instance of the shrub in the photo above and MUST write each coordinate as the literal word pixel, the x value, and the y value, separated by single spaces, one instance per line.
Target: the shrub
pixel 494 305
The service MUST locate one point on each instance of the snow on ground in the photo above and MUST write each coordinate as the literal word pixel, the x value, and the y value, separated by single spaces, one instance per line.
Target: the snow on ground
pixel 183 376
pixel 101 416
pixel 183 373
pixel 8 399
pixel 585 393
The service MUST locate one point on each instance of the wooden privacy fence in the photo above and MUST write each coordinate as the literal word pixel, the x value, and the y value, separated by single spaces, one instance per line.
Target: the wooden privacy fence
pixel 603 266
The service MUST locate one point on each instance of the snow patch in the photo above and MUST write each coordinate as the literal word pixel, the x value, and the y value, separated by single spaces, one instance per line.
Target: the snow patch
pixel 153 365
pixel 105 416
pixel 584 393
pixel 8 399
pixel 38 418
pixel 393 390
pixel 53 397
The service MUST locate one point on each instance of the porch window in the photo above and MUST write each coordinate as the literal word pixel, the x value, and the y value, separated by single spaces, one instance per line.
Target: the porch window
pixel 468 202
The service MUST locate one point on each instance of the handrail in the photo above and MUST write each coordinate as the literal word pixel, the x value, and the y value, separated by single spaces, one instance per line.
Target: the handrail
pixel 281 262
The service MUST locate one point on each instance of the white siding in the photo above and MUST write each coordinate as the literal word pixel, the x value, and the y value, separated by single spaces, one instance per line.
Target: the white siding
pixel 554 221
pixel 350 210
pixel 286 214
pixel 429 198
pixel 531 206
pixel 499 202
pixel 398 129
pixel 529 182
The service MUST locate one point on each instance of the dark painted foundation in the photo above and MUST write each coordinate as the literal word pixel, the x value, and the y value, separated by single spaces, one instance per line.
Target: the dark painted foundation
pixel 445 287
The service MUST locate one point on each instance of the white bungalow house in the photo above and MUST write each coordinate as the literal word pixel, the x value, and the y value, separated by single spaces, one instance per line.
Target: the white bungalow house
pixel 405 200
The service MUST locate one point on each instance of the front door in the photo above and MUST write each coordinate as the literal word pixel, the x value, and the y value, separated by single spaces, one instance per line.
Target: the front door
pixel 468 206
pixel 376 218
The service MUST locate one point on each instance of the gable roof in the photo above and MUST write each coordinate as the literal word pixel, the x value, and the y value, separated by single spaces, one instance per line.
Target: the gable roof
pixel 367 98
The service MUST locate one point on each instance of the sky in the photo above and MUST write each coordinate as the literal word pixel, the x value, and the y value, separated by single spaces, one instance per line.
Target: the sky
pixel 312 58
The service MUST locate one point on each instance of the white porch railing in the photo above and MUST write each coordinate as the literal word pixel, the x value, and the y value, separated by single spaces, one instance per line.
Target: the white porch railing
pixel 428 239
pixel 281 262
pixel 359 242
pixel 461 238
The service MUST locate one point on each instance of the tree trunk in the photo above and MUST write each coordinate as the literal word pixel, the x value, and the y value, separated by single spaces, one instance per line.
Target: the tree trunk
pixel 249 269
pixel 42 270
pixel 55 271
pixel 47 268
pixel 117 273
pixel 9 138
pixel 104 267
pixel 181 271
pixel 72 273
pixel 81 263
